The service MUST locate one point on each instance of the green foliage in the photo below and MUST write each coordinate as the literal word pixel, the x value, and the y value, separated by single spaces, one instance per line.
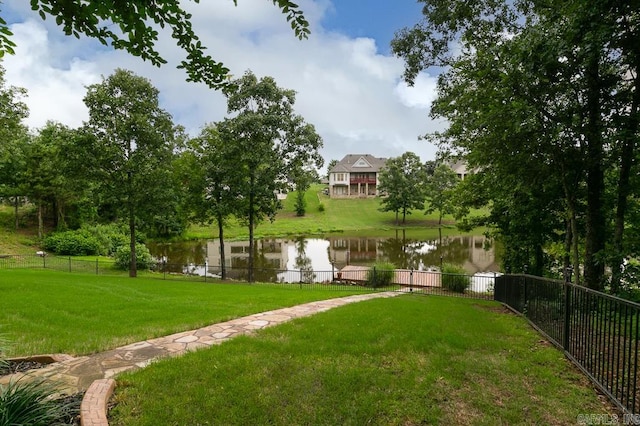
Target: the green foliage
pixel 454 278
pixel 144 260
pixel 440 191
pixel 72 243
pixel 381 274
pixel 134 26
pixel 402 182
pixel 321 207
pixel 301 204
pixel 267 143
pixel 103 240
pixel 630 281
pixel 32 402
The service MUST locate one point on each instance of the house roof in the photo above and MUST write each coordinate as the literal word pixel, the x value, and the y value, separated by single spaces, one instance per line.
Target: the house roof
pixel 359 163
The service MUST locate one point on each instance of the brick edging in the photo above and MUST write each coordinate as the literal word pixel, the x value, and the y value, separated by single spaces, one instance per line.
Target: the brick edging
pixel 93 410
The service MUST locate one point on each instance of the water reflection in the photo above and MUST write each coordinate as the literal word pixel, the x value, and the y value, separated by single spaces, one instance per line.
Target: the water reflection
pixel 305 256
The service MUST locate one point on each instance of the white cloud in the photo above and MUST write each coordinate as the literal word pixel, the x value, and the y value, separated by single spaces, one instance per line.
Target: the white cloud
pixel 348 90
pixel 421 94
pixel 53 93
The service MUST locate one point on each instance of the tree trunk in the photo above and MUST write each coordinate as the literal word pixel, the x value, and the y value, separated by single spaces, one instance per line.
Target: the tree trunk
pixel 133 262
pixel 251 219
pixel 624 185
pixel 572 233
pixel 595 220
pixel 223 267
pixel 40 220
pixel 15 206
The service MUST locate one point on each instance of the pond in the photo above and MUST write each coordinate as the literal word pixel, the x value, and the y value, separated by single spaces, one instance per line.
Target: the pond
pixel 475 253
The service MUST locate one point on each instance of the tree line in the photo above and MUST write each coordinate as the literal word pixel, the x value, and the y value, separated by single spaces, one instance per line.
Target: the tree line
pixel 130 163
pixel 543 101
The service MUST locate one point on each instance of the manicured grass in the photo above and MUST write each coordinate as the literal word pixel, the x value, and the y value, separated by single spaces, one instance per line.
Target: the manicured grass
pixel 58 312
pixel 340 215
pixel 402 361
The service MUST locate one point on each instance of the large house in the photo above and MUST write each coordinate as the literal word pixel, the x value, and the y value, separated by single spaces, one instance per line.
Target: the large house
pixel 356 175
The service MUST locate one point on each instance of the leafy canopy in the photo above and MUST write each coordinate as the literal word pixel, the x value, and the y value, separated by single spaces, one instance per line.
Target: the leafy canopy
pixel 134 26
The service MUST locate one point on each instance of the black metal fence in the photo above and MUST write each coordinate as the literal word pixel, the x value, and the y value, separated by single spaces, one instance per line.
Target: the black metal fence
pixel 479 286
pixel 597 331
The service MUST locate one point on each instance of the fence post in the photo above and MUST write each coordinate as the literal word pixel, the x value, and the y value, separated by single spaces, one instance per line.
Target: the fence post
pixel 69 263
pixel 97 266
pixel 411 280
pixel 44 262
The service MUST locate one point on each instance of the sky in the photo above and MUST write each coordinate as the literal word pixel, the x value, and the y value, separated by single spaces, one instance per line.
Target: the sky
pixel 347 82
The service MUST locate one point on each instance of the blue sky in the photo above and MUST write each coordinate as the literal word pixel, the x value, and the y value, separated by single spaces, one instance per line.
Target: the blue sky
pixel 377 19
pixel 347 82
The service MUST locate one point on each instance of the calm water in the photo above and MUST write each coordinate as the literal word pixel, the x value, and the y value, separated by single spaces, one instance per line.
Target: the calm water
pixel 474 253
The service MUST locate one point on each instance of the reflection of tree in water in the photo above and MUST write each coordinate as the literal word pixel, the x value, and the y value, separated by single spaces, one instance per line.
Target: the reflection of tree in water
pixel 180 254
pixel 448 250
pixel 303 262
pixel 264 269
pixel 411 254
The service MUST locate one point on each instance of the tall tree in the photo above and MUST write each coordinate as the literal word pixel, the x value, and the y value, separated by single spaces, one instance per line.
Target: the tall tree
pixel 439 191
pixel 208 171
pixel 402 180
pixel 13 137
pixel 135 140
pixel 267 142
pixel 134 26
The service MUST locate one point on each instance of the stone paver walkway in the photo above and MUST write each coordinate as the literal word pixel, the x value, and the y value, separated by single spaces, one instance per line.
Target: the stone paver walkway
pixel 77 374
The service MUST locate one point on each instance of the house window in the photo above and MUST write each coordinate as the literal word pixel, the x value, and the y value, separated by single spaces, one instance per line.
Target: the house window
pixel 340 177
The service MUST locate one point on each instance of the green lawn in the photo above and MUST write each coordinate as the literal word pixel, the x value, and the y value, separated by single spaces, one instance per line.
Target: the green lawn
pixel 57 312
pixel 404 361
pixel 339 215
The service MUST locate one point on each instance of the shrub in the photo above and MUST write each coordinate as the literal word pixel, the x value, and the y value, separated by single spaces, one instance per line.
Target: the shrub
pixel 321 207
pixel 144 260
pixel 454 278
pixel 72 243
pixel 89 240
pixel 381 274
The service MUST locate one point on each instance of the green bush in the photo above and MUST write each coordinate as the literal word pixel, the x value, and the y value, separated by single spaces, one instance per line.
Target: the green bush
pixel 111 237
pixel 381 274
pixel 144 260
pixel 72 243
pixel 89 240
pixel 321 207
pixel 454 278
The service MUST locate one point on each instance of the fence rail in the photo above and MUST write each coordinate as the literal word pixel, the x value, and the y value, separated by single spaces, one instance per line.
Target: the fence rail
pixel 600 333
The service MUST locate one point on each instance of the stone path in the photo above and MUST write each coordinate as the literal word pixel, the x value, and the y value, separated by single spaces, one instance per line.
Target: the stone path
pixel 77 374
